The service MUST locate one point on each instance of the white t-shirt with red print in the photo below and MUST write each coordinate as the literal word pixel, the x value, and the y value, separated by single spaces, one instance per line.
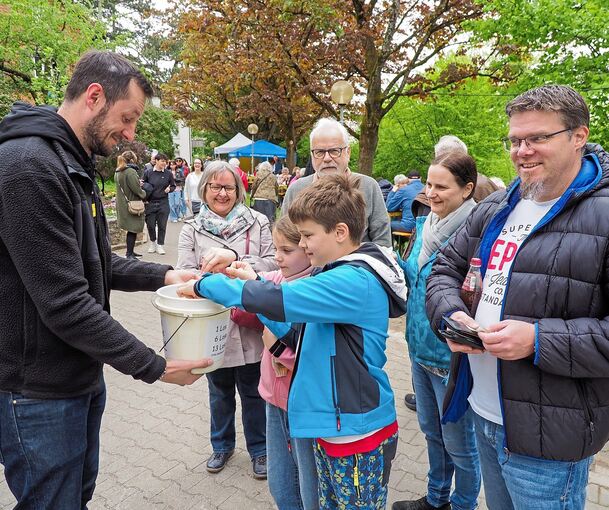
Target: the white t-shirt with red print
pixel 484 398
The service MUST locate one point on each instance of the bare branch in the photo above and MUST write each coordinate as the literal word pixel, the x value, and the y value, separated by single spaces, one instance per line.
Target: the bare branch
pixel 14 72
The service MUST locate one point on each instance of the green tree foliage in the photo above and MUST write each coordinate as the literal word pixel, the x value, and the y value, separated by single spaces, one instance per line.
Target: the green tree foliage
pixel 474 112
pixel 277 60
pixel 143 34
pixel 208 137
pixel 555 41
pixel 155 130
pixel 39 41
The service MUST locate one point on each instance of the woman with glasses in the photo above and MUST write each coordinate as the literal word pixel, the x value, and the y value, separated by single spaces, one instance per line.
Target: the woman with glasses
pixel 225 230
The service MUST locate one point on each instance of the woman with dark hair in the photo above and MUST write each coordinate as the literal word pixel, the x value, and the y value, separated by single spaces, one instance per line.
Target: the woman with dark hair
pixel 225 230
pixel 128 188
pixel 451 448
pixel 176 201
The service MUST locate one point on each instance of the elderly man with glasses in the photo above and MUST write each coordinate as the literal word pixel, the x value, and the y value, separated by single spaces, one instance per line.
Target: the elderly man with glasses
pixel 330 153
pixel 540 388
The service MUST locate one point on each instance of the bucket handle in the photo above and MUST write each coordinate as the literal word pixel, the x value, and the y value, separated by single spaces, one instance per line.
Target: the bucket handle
pixel 173 334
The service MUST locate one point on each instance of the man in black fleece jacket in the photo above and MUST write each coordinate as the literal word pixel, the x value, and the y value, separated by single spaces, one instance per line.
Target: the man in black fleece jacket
pixel 56 272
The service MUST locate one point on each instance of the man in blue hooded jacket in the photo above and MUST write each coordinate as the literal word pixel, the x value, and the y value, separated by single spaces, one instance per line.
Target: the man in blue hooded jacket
pixel 540 388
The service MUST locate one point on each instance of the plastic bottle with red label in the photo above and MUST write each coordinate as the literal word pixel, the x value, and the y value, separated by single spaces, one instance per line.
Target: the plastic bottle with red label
pixel 471 290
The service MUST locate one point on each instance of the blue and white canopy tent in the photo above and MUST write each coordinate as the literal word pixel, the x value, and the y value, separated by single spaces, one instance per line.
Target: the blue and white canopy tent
pixel 261 149
pixel 233 144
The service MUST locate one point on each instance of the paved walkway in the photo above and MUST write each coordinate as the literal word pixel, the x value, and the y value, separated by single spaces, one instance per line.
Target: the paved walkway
pixel 155 438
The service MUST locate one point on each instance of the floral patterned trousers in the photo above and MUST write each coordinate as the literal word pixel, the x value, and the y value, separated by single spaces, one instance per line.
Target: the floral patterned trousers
pixel 355 481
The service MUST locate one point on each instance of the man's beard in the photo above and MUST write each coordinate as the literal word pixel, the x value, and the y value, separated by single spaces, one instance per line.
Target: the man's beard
pixel 94 136
pixel 531 190
pixel 330 171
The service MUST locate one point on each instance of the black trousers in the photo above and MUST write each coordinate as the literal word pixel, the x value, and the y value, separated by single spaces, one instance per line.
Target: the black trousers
pixel 157 213
pixel 131 238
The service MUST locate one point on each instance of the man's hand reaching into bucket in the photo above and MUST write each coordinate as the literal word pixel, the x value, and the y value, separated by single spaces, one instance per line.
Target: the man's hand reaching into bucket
pixel 179 276
pixel 178 371
pixel 187 290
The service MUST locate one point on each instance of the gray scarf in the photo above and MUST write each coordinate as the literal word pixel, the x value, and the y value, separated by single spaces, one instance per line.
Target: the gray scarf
pixel 237 221
pixel 436 231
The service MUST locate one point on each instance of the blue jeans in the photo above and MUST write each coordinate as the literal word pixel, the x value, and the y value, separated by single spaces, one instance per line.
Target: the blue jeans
pixel 175 205
pixel 183 208
pixel 513 481
pixel 222 407
pixel 50 449
pixel 451 448
pixel 292 474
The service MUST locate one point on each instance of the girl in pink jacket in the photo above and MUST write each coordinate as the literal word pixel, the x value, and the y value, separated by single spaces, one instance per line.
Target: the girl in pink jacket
pixel 290 462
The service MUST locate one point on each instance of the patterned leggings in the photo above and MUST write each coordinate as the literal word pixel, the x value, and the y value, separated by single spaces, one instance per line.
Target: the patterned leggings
pixel 355 481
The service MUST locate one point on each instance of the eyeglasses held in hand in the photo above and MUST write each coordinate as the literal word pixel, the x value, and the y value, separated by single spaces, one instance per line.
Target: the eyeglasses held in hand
pixel 216 188
pixel 513 143
pixel 334 153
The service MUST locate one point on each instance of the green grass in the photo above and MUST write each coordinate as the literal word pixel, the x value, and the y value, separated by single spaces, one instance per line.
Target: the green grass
pixel 109 187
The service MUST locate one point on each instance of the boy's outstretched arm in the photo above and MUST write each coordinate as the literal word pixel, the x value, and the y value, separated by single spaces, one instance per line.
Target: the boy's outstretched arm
pixel 334 296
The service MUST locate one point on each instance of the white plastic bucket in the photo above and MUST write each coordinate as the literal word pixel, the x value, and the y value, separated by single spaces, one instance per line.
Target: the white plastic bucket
pixel 199 327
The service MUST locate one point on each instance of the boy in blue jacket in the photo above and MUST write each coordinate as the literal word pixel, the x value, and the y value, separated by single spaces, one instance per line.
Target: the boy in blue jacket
pixel 337 323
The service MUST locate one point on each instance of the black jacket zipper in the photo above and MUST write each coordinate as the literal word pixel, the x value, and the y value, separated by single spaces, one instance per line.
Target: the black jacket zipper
pixel 583 395
pixel 335 393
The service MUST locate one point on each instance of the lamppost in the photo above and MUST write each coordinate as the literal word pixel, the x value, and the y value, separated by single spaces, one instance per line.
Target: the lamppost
pixel 252 129
pixel 212 145
pixel 341 93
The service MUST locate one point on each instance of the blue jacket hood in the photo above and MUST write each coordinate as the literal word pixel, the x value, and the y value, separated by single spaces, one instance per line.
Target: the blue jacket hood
pixel 379 261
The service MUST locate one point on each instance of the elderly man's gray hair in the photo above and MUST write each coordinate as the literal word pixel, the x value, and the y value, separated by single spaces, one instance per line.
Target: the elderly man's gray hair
pixel 327 124
pixel 265 165
pixel 448 143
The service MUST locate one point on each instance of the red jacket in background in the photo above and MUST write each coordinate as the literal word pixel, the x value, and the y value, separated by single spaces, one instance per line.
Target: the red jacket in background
pixel 243 176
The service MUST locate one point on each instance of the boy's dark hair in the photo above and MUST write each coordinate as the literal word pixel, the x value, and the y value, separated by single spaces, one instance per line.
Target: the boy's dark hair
pixel 162 157
pixel 111 70
pixel 461 165
pixel 287 229
pixel 331 200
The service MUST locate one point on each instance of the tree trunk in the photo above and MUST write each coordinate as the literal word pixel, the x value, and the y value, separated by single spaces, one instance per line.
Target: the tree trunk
pixel 369 130
pixel 290 143
pixel 290 160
